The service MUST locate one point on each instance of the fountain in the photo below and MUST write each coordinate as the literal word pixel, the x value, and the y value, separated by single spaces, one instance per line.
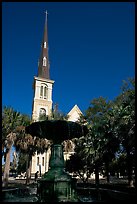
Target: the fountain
pixel 56 185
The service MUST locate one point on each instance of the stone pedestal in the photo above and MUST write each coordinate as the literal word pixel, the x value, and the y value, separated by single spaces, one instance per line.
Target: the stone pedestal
pixel 56 185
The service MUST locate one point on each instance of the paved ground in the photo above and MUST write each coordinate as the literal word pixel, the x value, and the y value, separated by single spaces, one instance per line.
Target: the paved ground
pixel 32 197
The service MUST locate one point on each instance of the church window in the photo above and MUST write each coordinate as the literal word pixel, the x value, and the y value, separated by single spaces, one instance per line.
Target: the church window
pixel 37 160
pixel 44 61
pixel 42 114
pixel 42 161
pixel 45 45
pixel 43 91
pixel 42 111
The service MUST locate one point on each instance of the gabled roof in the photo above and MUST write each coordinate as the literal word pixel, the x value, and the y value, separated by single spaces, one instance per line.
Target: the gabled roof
pixel 74 113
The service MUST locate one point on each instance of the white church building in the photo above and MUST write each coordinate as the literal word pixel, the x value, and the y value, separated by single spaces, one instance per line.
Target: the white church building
pixel 42 101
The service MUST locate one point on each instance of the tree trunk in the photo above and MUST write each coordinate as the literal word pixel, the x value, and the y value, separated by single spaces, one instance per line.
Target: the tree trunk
pixel 7 168
pixel 129 169
pixel 96 175
pixel 28 169
pixel 107 171
pixel 30 164
pixel 117 174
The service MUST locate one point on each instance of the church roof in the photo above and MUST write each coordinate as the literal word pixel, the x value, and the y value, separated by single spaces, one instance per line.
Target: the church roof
pixel 74 113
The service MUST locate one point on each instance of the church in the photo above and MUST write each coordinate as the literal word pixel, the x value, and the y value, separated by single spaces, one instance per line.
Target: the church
pixel 42 101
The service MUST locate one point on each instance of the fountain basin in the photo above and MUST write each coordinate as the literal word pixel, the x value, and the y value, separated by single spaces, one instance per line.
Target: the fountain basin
pixel 56 185
pixel 56 130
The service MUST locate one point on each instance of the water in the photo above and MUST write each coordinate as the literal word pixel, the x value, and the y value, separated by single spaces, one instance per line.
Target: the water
pixel 12 198
pixel 29 195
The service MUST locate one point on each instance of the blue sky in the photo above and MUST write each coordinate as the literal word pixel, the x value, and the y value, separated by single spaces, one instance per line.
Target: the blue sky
pixel 91 50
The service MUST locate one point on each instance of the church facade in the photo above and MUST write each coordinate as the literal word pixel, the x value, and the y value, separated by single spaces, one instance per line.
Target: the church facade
pixel 42 101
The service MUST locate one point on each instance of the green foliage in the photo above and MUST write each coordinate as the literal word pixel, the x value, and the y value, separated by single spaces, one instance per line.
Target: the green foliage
pixel 124 112
pixel 75 164
pixel 12 119
pixel 111 126
pixel 21 168
pixel 80 162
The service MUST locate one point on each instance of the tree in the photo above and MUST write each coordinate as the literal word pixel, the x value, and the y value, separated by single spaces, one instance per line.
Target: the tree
pixel 10 120
pixel 14 162
pixel 76 166
pixel 124 114
pixel 28 145
pixel 25 144
pixel 112 125
pixel 101 134
pixel 99 147
pixel 21 168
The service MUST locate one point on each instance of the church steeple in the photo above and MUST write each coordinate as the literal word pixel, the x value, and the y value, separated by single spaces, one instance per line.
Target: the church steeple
pixel 42 102
pixel 43 65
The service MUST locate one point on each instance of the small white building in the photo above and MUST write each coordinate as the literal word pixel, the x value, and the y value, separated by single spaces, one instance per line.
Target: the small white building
pixel 74 114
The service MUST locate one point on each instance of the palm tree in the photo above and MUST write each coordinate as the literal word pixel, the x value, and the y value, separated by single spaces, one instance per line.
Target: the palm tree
pixel 10 120
pixel 28 145
pixel 24 144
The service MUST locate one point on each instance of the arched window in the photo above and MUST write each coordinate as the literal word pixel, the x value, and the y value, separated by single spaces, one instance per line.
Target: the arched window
pixel 42 111
pixel 43 91
pixel 42 114
pixel 44 61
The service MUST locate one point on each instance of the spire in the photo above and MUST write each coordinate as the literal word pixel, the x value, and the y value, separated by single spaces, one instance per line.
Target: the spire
pixel 46 27
pixel 43 65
